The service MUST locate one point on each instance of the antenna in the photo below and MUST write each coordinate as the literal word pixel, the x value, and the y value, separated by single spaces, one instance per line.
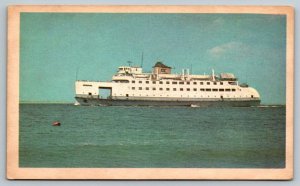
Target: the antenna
pixel 142 60
pixel 129 63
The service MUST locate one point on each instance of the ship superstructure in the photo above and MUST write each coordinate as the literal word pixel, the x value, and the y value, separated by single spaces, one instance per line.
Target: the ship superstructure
pixel 130 86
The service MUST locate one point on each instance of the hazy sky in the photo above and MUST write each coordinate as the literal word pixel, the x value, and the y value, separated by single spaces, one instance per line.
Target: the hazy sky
pixel 55 45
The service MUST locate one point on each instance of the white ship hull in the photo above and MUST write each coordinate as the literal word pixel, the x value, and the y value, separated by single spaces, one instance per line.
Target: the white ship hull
pixel 131 87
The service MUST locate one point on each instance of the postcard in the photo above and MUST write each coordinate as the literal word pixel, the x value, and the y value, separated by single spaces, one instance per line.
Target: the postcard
pixel 150 92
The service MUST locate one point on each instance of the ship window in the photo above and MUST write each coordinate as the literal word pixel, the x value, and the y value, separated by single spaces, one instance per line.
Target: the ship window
pixel 252 96
pixel 160 88
pixel 127 95
pixel 174 82
pixel 215 89
pixel 133 88
pixel 147 82
pixel 181 89
pixel 90 93
pixel 233 89
pixel 181 83
pixel 124 81
pixel 202 89
pixel 215 83
pixel 174 89
pixel 163 70
pixel 232 83
pixel 195 83
pixel 140 81
pixel 153 88
pixel 195 89
pixel 227 90
pixel 208 89
pixel 167 82
pixel 187 83
pixel 160 82
pixel 188 89
pixel 154 82
pixel 132 81
pixel 140 88
pixel 201 83
pixel 85 85
pixel 208 83
pixel 221 83
pixel 167 89
pixel 147 88
pixel 221 90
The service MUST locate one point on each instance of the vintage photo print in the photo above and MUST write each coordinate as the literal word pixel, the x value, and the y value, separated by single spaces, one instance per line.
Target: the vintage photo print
pixel 150 92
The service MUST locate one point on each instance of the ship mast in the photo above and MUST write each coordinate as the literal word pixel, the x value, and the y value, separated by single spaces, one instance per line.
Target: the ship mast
pixel 129 63
pixel 142 60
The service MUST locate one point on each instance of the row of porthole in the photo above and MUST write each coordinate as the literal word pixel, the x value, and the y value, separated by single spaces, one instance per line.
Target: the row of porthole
pixel 177 82
pixel 127 95
pixel 189 89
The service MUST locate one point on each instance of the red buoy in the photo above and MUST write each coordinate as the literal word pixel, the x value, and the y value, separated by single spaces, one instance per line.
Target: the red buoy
pixel 56 123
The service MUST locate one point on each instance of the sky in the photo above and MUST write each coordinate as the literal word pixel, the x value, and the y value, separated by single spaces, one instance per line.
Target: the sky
pixel 58 48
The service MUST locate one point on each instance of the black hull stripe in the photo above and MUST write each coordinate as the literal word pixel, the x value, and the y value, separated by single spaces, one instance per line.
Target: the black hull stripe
pixel 202 103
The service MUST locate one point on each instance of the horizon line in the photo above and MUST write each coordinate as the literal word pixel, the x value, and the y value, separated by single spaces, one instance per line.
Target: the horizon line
pixel 65 102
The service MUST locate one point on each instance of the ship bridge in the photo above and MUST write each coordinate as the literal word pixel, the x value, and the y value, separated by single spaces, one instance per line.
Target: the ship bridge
pixel 129 70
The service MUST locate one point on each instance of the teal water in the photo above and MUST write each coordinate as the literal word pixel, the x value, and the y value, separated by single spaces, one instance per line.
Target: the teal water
pixel 252 137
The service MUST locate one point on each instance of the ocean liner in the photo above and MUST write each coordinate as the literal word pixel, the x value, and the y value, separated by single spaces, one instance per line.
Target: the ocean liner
pixel 131 87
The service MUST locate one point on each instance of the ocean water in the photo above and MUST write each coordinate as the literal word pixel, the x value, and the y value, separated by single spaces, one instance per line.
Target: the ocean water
pixel 252 137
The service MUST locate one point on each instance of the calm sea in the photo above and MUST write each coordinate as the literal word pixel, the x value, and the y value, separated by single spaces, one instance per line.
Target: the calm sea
pixel 252 137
